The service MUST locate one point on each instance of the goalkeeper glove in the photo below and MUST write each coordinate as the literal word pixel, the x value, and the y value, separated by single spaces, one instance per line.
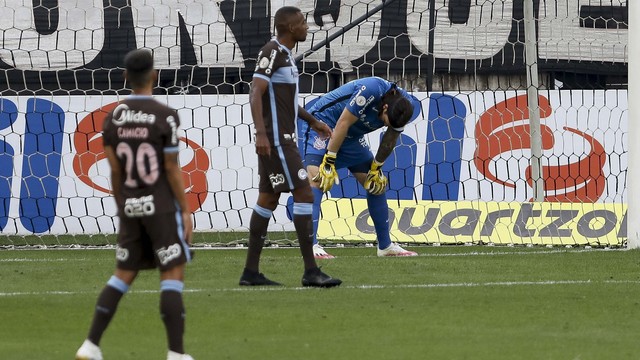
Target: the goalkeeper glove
pixel 327 174
pixel 376 182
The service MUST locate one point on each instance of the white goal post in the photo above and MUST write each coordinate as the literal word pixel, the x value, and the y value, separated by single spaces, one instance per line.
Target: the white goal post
pixel 633 179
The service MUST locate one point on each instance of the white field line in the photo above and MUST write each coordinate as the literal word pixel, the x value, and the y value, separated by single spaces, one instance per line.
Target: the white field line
pixel 354 287
pixel 473 253
pixel 18 260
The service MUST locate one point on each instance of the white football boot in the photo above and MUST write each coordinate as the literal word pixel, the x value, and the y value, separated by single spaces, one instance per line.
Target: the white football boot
pixel 395 250
pixel 89 351
pixel 319 253
pixel 172 355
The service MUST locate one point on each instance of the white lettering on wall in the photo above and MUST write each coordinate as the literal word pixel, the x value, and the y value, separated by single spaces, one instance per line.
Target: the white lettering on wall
pixel 156 26
pixel 78 39
pixel 561 37
pixel 484 35
pixel 79 33
pixel 350 46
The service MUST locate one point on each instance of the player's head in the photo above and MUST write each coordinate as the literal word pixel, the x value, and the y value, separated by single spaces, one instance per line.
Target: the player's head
pixel 396 108
pixel 290 21
pixel 139 70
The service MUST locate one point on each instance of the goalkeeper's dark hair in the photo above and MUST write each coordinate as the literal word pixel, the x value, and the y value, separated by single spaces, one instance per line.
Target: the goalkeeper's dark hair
pixel 399 108
pixel 139 66
pixel 282 18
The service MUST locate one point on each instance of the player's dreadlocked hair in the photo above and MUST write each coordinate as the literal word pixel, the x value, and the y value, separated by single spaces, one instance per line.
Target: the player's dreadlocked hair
pixel 400 108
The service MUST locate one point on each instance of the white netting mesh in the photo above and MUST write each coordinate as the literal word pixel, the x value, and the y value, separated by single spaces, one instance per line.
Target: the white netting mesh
pixel 460 175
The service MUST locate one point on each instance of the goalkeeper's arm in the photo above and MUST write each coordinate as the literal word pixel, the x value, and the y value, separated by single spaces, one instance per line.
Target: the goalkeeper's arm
pixel 327 175
pixel 321 128
pixel 387 144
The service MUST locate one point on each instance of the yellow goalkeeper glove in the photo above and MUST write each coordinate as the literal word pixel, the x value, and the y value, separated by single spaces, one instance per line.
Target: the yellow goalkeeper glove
pixel 327 174
pixel 376 182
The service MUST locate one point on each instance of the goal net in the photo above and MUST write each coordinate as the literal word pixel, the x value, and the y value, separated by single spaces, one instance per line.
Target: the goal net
pixel 461 173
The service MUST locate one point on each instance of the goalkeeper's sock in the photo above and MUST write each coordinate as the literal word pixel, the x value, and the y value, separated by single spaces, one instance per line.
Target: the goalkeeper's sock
pixel 317 200
pixel 257 234
pixel 172 313
pixel 379 212
pixel 106 307
pixel 302 220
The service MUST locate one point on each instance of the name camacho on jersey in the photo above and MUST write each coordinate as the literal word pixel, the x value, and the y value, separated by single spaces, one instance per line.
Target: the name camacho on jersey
pixel 361 98
pixel 280 103
pixel 141 130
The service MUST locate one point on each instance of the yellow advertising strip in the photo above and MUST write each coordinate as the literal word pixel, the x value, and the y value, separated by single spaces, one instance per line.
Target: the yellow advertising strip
pixel 460 222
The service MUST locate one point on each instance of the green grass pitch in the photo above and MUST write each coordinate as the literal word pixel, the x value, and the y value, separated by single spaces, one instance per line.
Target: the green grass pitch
pixel 449 303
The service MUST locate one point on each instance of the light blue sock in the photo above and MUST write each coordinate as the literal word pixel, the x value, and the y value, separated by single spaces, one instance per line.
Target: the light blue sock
pixel 118 284
pixel 317 199
pixel 379 212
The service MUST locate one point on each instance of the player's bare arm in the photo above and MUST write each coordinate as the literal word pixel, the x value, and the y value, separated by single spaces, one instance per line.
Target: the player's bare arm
pixel 321 128
pixel 174 175
pixel 340 131
pixel 258 88
pixel 116 174
pixel 387 144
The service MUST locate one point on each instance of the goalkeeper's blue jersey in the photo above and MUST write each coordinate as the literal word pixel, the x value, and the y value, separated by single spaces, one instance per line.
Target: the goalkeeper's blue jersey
pixel 361 98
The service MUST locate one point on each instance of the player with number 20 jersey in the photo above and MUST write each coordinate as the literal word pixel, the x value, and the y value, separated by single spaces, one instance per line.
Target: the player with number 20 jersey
pixel 141 131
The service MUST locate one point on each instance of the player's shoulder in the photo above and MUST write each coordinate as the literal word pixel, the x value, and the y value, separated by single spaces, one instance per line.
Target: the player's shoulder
pixel 374 81
pixel 269 47
pixel 143 109
pixel 373 85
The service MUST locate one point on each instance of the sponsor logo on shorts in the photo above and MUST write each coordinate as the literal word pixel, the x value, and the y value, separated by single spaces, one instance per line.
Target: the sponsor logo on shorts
pixel 122 254
pixel 363 142
pixel 276 179
pixel 319 143
pixel 165 255
pixel 302 174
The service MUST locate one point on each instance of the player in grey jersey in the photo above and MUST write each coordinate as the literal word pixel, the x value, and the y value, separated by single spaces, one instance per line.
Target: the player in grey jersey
pixel 274 108
pixel 141 144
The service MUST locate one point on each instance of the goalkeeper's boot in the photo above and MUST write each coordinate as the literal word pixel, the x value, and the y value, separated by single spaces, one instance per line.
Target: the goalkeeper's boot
pixel 319 253
pixel 89 351
pixel 172 355
pixel 395 250
pixel 252 278
pixel 316 278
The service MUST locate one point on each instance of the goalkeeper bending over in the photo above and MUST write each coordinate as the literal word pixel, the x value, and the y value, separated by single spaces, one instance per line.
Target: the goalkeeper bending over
pixel 353 110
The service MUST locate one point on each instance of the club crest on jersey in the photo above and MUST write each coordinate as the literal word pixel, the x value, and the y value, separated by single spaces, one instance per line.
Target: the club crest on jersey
pixel 276 179
pixel 357 96
pixel 319 143
pixel 364 103
pixel 272 58
pixel 302 174
pixel 263 63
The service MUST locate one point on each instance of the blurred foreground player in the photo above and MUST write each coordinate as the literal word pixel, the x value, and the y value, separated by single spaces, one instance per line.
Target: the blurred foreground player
pixel 141 144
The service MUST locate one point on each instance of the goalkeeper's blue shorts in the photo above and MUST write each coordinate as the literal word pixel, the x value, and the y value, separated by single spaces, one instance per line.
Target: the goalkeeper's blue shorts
pixel 354 154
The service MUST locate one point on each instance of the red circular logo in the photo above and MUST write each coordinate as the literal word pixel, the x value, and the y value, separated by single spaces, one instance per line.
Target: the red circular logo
pixel 87 140
pixel 498 132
